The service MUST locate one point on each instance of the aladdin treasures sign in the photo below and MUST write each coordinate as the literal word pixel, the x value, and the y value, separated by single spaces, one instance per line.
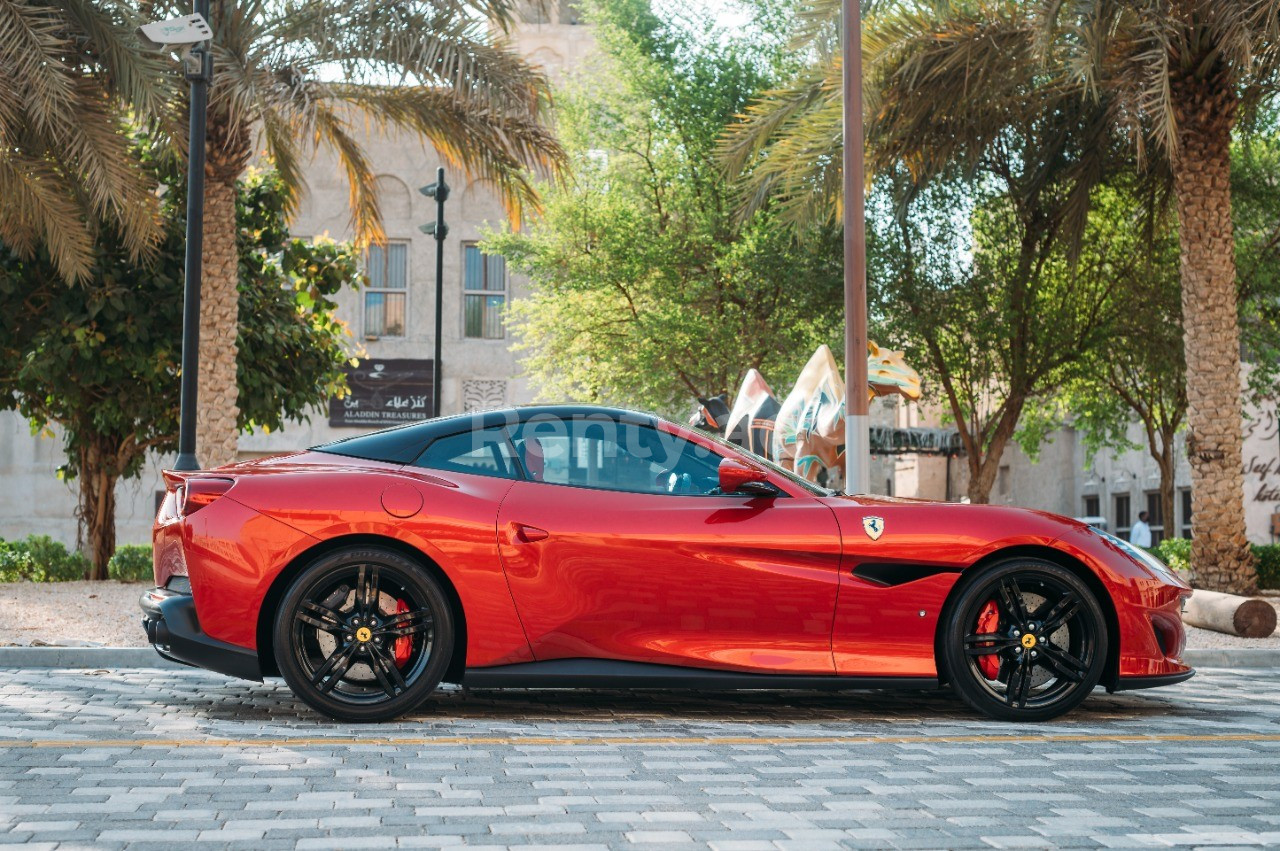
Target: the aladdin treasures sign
pixel 384 392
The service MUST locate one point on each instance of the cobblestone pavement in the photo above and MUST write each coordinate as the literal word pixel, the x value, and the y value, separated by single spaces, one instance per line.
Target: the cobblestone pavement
pixel 151 758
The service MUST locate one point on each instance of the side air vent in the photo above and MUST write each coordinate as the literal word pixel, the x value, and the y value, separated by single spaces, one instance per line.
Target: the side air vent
pixel 899 574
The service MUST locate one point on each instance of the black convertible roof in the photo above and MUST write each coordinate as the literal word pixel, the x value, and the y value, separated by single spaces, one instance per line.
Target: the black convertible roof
pixel 402 444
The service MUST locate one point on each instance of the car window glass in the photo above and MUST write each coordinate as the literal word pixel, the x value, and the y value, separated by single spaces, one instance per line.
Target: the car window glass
pixel 598 452
pixel 481 453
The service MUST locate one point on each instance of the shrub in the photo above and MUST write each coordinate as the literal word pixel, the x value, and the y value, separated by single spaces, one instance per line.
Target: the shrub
pixel 39 558
pixel 58 564
pixel 15 562
pixel 1268 564
pixel 131 563
pixel 1175 552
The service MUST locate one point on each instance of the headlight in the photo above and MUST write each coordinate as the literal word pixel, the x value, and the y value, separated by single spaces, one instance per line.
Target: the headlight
pixel 1154 566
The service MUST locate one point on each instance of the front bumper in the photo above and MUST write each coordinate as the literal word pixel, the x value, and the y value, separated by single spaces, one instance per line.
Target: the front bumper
pixel 169 618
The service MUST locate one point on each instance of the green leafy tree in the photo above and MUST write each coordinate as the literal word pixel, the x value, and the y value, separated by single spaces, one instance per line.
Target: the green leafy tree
pixel 1138 373
pixel 647 286
pixel 70 73
pixel 986 299
pixel 100 358
pixel 295 76
pixel 948 81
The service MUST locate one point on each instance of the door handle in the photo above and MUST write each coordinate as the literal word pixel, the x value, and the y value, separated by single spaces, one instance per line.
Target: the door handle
pixel 529 534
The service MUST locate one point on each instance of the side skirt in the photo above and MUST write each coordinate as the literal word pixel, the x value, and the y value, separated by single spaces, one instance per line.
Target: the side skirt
pixel 1131 683
pixel 609 674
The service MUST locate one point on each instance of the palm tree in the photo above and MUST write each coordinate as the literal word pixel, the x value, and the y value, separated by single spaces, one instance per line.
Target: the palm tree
pixel 70 72
pixel 301 74
pixel 1169 77
pixel 1182 72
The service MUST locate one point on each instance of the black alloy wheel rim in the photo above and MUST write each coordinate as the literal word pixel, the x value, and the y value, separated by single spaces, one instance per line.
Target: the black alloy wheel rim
pixel 1045 640
pixel 345 630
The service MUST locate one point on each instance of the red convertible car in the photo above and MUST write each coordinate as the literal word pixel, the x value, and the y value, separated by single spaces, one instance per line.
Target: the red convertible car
pixel 593 547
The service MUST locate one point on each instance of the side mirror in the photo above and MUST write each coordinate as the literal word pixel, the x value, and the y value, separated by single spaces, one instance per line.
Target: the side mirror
pixel 739 477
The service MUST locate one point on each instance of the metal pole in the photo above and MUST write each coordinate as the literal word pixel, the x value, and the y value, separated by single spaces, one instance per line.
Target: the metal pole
pixel 442 193
pixel 857 437
pixel 200 79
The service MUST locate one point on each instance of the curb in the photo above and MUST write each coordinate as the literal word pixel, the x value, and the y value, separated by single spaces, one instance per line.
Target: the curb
pixel 1233 657
pixel 83 657
pixel 146 657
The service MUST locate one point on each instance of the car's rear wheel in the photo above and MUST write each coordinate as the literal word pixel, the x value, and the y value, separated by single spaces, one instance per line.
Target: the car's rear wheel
pixel 363 634
pixel 1024 640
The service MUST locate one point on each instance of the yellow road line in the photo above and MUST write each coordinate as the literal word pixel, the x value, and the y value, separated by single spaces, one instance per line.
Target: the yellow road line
pixel 577 741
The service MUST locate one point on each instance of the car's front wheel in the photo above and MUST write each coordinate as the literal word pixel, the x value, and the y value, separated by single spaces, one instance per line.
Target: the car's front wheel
pixel 1024 640
pixel 363 634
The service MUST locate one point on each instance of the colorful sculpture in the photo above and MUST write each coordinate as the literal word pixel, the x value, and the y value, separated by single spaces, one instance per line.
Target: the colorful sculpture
pixel 888 373
pixel 806 432
pixel 751 423
pixel 809 434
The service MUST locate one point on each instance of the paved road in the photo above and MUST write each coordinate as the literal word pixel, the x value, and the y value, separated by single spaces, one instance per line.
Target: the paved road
pixel 153 758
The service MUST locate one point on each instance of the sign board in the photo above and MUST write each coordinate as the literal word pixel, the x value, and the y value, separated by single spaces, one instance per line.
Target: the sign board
pixel 384 392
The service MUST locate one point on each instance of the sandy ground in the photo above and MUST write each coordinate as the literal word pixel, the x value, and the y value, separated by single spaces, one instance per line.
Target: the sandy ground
pixel 106 613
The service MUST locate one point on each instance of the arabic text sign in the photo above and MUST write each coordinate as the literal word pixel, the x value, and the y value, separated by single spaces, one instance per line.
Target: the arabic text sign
pixel 384 392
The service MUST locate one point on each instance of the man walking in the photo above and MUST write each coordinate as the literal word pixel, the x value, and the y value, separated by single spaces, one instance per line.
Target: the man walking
pixel 1140 534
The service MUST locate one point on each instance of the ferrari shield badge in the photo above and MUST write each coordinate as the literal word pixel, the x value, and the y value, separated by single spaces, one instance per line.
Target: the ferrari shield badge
pixel 873 526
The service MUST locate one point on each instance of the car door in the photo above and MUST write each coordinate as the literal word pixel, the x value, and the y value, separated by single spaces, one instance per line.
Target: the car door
pixel 618 545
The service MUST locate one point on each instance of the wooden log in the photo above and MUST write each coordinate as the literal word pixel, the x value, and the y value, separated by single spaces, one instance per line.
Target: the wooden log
pixel 1247 617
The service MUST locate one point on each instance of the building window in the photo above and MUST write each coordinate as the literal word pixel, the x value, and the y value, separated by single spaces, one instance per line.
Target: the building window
pixel 1091 506
pixel 484 293
pixel 387 267
pixel 1184 500
pixel 1155 516
pixel 1122 515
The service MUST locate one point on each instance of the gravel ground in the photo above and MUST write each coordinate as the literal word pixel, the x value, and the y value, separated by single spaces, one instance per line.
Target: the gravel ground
pixel 106 613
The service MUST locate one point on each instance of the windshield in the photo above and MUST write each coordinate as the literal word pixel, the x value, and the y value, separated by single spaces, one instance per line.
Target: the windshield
pixel 811 487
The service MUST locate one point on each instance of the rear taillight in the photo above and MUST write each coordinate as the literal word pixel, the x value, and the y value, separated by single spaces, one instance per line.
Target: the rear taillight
pixel 195 494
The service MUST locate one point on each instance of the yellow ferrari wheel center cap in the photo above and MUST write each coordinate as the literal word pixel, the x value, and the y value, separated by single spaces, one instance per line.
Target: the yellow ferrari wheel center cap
pixel 1028 641
pixel 363 634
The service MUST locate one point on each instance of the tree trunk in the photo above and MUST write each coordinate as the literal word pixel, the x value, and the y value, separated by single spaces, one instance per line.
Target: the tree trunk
pixel 1220 553
pixel 984 470
pixel 982 476
pixel 98 504
pixel 217 413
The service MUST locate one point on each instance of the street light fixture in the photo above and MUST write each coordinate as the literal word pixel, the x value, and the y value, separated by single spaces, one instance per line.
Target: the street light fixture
pixel 438 229
pixel 192 38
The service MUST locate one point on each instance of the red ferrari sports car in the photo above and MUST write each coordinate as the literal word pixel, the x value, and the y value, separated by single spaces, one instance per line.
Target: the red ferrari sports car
pixel 575 546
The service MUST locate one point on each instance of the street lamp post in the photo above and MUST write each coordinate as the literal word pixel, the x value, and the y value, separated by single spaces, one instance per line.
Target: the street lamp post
pixel 438 229
pixel 857 437
pixel 198 62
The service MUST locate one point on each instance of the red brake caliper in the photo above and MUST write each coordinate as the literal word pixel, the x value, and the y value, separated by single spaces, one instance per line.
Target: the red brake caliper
pixel 404 644
pixel 988 622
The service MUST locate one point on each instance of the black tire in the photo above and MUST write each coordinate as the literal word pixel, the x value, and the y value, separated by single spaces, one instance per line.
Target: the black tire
pixel 1044 637
pixel 338 637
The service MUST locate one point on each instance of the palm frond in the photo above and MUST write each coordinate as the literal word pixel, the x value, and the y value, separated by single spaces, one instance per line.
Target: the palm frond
pixel 71 74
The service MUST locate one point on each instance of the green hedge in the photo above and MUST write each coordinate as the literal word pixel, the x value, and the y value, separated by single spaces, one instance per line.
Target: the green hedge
pixel 1176 552
pixel 40 558
pixel 131 563
pixel 1268 556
